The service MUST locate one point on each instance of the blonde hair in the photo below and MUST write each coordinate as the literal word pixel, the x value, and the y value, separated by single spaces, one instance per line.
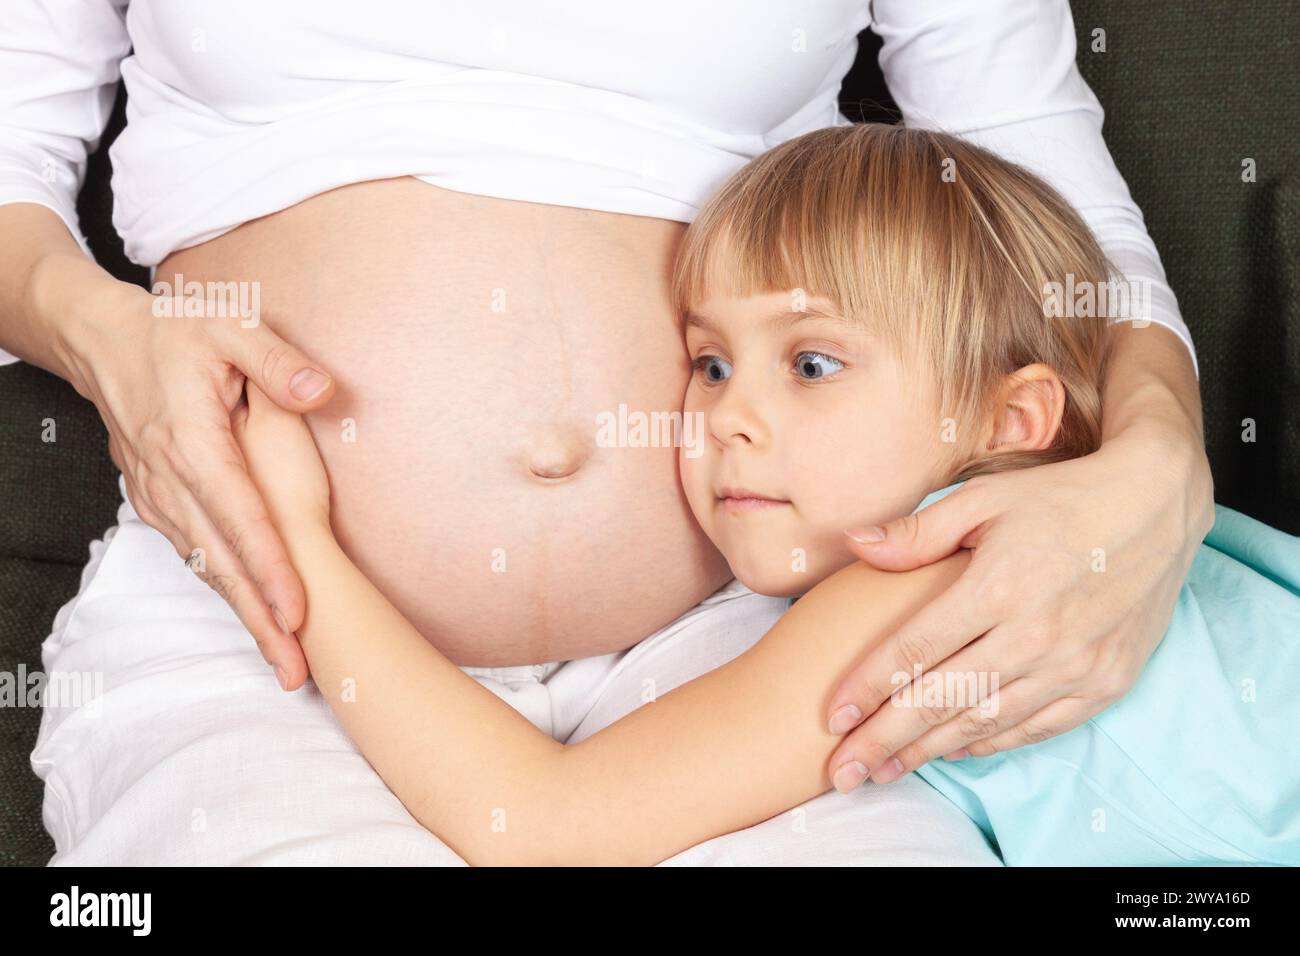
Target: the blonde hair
pixel 930 241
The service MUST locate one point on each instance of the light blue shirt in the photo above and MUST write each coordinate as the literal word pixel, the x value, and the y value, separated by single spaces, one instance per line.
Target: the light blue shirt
pixel 1199 763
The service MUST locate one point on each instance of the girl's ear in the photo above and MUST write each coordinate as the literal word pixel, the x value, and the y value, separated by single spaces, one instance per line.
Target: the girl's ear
pixel 1028 412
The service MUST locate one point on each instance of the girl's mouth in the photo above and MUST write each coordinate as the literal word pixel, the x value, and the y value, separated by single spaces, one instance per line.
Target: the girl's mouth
pixel 742 500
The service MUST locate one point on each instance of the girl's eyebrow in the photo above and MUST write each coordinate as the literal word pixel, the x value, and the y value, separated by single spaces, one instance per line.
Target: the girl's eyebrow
pixel 784 318
pixel 692 319
pixel 780 319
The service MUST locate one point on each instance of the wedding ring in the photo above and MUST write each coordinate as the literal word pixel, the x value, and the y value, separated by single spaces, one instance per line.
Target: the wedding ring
pixel 194 556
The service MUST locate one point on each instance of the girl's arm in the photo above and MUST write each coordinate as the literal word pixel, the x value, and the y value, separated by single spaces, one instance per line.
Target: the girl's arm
pixel 728 750
pixel 725 751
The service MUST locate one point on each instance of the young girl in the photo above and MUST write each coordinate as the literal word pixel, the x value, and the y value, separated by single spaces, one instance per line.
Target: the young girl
pixel 871 313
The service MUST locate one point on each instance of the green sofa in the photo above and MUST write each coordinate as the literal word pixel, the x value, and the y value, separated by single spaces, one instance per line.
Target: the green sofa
pixel 1190 91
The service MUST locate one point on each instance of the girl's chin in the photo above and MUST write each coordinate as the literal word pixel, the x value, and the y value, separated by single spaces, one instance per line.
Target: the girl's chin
pixel 771 591
pixel 790 579
pixel 771 582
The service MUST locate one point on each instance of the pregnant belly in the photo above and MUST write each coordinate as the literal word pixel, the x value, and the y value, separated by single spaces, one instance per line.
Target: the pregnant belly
pixel 474 342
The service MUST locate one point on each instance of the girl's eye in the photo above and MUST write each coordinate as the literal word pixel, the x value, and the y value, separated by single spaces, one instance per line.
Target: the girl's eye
pixel 814 365
pixel 713 368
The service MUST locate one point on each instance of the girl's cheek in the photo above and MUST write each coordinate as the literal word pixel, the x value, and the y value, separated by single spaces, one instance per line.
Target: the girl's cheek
pixel 694 476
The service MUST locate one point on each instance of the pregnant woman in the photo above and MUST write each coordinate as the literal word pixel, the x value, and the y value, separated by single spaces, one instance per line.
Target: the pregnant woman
pixel 457 225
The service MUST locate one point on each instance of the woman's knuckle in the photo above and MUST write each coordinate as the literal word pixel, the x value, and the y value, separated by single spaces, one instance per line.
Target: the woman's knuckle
pixel 135 495
pixel 908 528
pixel 154 437
pixel 225 586
pixel 154 486
pixel 178 461
pixel 871 752
pixel 974 724
pixel 1079 670
pixel 914 755
pixel 1035 732
pixel 870 693
pixel 915 652
pixel 1105 659
pixel 1113 686
pixel 239 532
pixel 1037 651
pixel 933 714
pixel 1001 591
pixel 1054 620
pixel 273 357
pixel 1040 644
pixel 234 533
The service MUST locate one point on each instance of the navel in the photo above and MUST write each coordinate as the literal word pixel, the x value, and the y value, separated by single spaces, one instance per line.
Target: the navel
pixel 558 452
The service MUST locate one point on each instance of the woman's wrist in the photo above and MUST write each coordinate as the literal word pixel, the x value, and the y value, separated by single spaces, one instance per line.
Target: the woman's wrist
pixel 80 306
pixel 1152 414
pixel 1150 386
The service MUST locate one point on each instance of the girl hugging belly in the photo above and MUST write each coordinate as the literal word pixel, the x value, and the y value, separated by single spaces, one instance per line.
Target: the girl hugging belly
pixel 865 331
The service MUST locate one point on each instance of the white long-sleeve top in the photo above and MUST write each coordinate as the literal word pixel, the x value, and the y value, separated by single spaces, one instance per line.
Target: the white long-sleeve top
pixel 239 108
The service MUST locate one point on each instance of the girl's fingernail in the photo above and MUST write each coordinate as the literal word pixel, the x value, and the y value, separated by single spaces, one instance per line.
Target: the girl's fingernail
pixel 845 719
pixel 849 776
pixel 279 619
pixel 870 535
pixel 282 677
pixel 892 770
pixel 957 754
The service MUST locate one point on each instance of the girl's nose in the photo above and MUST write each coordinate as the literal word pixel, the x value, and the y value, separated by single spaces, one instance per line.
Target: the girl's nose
pixel 737 416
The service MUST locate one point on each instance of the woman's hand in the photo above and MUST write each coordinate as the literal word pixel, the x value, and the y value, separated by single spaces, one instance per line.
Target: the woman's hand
pixel 166 387
pixel 1075 572
pixel 284 463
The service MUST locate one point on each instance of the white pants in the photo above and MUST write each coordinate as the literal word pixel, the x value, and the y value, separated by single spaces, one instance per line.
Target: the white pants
pixel 165 739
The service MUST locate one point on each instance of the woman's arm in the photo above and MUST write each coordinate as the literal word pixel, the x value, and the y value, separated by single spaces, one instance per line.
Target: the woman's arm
pixel 1076 565
pixel 162 387
pixel 43 277
pixel 725 751
pixel 1074 573
pixel 1151 386
pixel 1003 74
pixel 58 76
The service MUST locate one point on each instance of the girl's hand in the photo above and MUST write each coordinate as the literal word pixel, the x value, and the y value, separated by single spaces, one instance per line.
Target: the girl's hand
pixel 283 461
pixel 1075 572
